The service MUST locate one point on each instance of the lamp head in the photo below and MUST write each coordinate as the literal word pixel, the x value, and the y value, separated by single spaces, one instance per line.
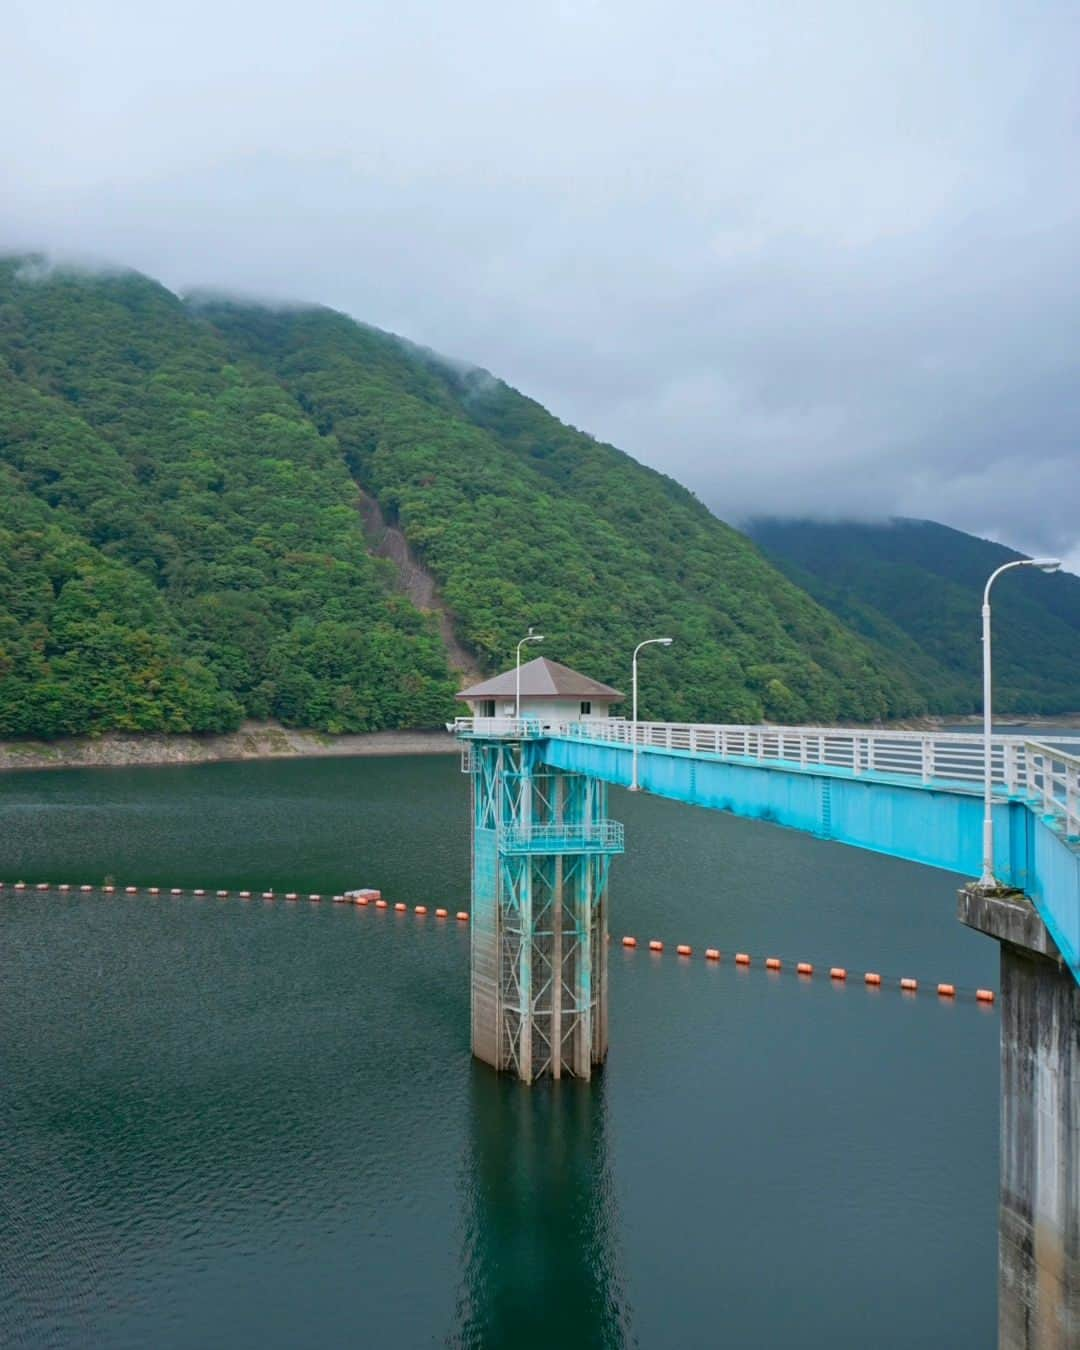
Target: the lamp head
pixel 666 642
pixel 1045 564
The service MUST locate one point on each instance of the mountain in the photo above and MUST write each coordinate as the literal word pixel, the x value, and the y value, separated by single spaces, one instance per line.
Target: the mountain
pixel 913 589
pixel 212 510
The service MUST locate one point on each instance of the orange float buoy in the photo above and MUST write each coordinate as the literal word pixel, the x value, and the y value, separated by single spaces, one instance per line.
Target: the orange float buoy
pixel 420 909
pixel 984 995
pixel 441 913
pixel 909 984
pixel 872 977
pixel 683 950
pixel 463 916
pixel 772 963
pixel 742 959
pixel 361 900
pixel 838 973
pixel 804 968
pixel 712 954
pixel 655 945
pixel 947 990
pixel 401 907
pixel 629 942
pixel 381 904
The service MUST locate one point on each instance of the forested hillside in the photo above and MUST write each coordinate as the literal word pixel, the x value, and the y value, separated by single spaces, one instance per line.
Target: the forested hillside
pixel 181 544
pixel 914 589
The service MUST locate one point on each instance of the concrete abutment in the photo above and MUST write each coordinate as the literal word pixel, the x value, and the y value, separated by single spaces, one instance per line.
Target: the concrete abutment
pixel 1039 1215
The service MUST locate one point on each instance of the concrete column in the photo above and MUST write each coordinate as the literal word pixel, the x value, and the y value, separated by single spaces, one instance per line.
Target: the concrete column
pixel 1039 1217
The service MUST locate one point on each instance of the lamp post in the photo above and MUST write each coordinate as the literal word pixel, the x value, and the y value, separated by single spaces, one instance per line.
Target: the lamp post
pixel 532 637
pixel 649 642
pixel 987 881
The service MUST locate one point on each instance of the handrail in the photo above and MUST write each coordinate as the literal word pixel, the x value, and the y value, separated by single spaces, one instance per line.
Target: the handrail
pixel 1019 765
pixel 1053 776
pixel 603 834
pixel 928 756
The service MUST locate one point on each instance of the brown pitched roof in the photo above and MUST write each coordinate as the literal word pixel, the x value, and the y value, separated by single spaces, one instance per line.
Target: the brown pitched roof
pixel 542 679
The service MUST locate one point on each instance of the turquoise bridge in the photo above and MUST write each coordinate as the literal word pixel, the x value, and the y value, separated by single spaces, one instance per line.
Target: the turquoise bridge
pixel 906 794
pixel 542 845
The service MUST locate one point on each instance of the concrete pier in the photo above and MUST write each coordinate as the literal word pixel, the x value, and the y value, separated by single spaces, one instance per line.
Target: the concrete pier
pixel 1039 1217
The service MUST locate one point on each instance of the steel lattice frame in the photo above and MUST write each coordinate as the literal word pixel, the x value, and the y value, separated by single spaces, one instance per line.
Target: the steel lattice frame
pixel 541 858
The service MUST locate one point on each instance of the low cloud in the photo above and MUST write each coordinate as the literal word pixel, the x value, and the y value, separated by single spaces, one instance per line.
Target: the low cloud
pixel 824 266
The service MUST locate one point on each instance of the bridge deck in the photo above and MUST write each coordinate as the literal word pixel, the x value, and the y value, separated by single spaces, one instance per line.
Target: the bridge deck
pixel 910 795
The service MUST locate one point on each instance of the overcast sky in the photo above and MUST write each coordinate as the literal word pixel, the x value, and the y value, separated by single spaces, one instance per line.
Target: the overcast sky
pixel 807 257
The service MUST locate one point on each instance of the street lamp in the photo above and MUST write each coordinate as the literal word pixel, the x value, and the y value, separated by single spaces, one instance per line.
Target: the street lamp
pixel 987 881
pixel 649 642
pixel 532 637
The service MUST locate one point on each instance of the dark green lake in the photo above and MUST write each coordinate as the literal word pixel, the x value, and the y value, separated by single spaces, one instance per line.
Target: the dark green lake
pixel 249 1124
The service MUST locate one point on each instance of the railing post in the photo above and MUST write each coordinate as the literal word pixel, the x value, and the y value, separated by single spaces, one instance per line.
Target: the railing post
pixel 1009 750
pixel 856 767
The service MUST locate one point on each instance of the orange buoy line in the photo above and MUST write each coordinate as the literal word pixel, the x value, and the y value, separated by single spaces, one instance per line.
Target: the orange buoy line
pixel 839 974
pixel 871 979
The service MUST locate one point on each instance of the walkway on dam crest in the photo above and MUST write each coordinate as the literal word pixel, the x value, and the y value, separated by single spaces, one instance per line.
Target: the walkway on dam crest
pixel 906 794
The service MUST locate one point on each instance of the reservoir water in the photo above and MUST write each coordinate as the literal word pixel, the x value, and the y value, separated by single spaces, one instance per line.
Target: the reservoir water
pixel 249 1124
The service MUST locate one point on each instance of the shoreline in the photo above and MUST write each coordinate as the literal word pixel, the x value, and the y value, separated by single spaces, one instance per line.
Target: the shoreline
pixel 262 740
pixel 254 740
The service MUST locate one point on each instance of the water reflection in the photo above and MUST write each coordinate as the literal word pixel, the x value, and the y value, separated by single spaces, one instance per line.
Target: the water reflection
pixel 542 1264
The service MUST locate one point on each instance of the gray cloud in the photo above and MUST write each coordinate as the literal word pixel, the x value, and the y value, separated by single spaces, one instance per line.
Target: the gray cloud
pixel 806 258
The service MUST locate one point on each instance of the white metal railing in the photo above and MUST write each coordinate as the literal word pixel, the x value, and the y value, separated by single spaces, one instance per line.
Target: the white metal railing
pixel 515 728
pixel 603 834
pixel 955 756
pixel 1053 775
pixel 1019 766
